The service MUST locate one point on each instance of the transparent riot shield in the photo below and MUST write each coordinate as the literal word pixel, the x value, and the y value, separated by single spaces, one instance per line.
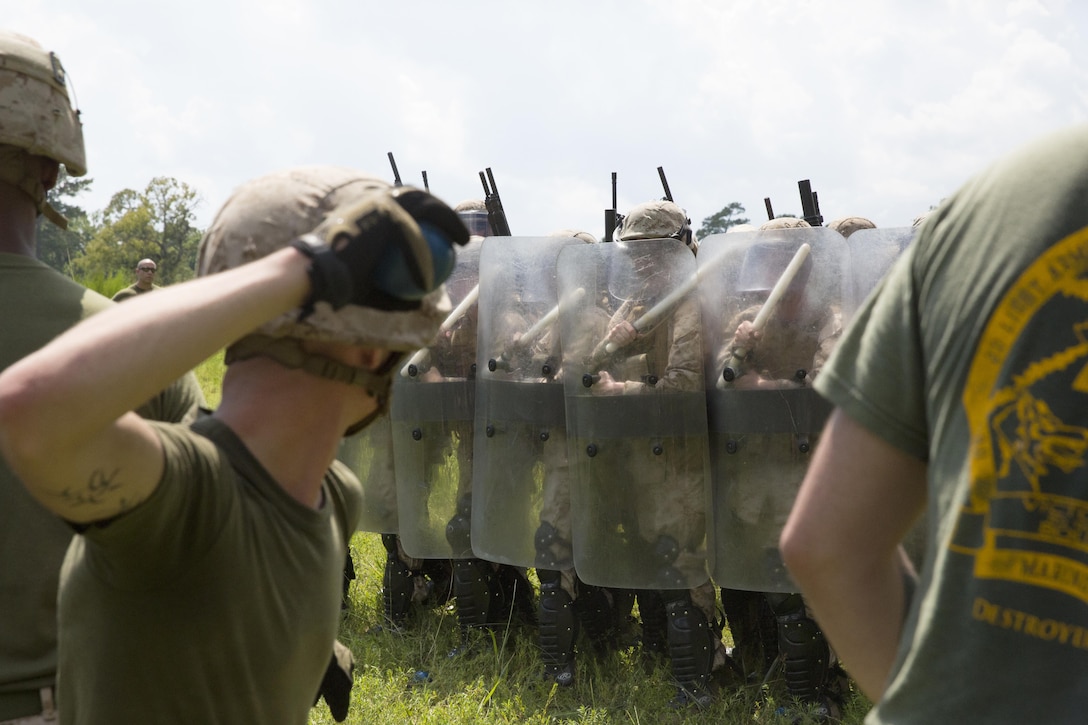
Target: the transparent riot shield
pixel 772 311
pixel 520 492
pixel 636 414
pixel 872 252
pixel 431 414
pixel 369 454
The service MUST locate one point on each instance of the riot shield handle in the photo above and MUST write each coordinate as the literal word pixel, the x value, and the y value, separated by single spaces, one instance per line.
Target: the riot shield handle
pixel 737 354
pixel 411 368
pixel 535 331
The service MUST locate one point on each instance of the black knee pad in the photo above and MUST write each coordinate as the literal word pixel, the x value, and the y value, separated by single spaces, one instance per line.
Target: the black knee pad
pixel 690 642
pixel 472 590
pixel 805 652
pixel 651 609
pixel 558 626
pixel 397 588
pixel 459 534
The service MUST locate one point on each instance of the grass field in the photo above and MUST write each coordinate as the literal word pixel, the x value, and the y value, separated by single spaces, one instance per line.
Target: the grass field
pixel 502 682
pixel 409 678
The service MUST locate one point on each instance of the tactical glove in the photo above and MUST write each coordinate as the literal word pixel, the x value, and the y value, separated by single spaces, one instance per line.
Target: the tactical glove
pixel 387 251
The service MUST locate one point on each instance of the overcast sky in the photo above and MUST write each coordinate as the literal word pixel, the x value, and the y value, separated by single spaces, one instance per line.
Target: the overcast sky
pixel 886 107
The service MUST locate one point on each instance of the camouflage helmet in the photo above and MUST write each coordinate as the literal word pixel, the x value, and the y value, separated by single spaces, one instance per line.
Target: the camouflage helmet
pixel 654 220
pixel 473 213
pixel 575 234
pixel 36 113
pixel 783 222
pixel 266 214
pixel 848 225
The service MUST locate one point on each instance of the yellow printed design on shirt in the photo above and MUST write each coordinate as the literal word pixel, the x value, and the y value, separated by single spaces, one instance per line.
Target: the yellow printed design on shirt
pixel 1026 518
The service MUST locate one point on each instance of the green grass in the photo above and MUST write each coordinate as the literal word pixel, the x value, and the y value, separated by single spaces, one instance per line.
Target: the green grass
pixel 502 682
pixel 210 376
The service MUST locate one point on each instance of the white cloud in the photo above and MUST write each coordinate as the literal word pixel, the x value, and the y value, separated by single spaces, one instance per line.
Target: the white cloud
pixel 887 106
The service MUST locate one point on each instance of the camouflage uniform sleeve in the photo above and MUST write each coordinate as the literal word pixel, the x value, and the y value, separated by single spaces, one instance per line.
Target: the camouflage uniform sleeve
pixel 684 369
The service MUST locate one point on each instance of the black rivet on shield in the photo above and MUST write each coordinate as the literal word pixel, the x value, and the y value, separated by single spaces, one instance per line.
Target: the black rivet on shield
pixel 413 371
pixel 417 434
pixel 544 435
pixel 730 447
pixel 591 450
pixel 729 374
pixel 801 374
pixel 492 365
pixel 546 370
pixel 490 430
pixel 658 450
pixel 803 445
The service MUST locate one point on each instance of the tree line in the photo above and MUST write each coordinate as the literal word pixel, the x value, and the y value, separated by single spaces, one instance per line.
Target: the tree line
pixel 101 248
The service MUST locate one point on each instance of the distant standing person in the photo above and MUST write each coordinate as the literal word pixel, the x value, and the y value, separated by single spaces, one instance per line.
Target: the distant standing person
pixel 146 269
pixel 962 396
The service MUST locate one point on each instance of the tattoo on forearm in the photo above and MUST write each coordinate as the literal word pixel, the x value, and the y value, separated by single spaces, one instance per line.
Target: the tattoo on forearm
pixel 94 492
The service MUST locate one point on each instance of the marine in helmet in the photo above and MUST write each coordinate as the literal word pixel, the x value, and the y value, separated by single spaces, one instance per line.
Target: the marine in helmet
pixel 681 622
pixel 216 550
pixel 787 352
pixel 409 580
pixel 568 607
pixel 473 213
pixel 39 131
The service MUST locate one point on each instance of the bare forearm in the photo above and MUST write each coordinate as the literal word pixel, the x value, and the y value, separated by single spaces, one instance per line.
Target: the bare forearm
pixel 841 544
pixel 861 612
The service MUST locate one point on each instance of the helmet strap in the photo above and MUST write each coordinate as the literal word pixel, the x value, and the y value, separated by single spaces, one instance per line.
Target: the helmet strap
pixel 15 170
pixel 287 351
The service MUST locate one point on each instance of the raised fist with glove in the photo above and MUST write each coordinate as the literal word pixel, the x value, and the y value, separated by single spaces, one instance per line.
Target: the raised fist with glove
pixel 386 251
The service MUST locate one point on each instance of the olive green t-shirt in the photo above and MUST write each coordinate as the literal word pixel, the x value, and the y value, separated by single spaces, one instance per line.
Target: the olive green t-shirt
pixel 216 600
pixel 973 356
pixel 131 291
pixel 40 303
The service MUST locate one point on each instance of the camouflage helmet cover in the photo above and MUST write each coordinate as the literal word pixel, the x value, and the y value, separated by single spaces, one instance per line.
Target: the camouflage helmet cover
pixel 653 220
pixel 784 222
pixel 575 234
pixel 36 113
pixel 848 225
pixel 266 214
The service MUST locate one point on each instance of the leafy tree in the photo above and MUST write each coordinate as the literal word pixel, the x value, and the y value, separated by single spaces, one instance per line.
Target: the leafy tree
pixel 723 220
pixel 58 247
pixel 156 223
